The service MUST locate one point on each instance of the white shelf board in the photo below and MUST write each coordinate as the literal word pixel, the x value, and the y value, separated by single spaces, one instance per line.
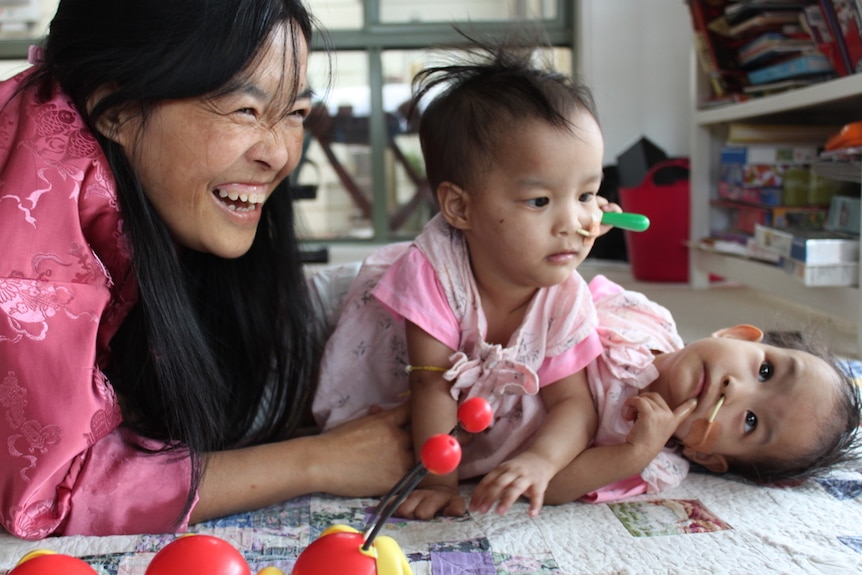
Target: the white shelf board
pixel 814 96
pixel 841 302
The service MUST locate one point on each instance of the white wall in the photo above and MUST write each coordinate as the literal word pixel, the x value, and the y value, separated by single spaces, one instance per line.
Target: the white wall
pixel 635 55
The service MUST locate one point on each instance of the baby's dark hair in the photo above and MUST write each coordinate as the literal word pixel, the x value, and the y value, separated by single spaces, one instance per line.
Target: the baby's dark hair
pixel 482 97
pixel 840 440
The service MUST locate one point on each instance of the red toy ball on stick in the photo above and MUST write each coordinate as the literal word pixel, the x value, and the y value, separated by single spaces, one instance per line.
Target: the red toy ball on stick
pixel 475 414
pixel 338 552
pixel 198 554
pixel 441 454
pixel 44 562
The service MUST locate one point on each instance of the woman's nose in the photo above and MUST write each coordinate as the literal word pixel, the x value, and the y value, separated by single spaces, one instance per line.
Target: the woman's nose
pixel 272 150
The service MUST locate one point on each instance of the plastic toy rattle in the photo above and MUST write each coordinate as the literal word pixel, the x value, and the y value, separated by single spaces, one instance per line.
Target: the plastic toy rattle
pixel 626 221
pixel 342 549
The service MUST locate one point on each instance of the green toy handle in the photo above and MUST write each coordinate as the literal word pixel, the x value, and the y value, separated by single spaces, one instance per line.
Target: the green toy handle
pixel 632 222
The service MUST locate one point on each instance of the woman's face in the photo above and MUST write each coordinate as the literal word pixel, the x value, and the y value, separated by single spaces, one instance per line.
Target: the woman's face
pixel 208 165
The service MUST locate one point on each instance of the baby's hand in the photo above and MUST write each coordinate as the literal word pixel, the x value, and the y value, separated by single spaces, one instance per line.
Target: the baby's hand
pixel 525 474
pixel 606 206
pixel 428 502
pixel 655 422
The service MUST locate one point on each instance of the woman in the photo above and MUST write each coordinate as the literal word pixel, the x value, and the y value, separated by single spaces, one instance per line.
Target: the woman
pixel 154 323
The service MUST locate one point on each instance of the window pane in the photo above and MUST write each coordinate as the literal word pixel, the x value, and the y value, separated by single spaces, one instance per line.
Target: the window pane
pixel 410 201
pixel 25 18
pixel 401 11
pixel 337 14
pixel 333 183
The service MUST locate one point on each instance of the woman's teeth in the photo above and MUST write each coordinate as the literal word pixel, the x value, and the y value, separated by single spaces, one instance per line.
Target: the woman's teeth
pixel 243 202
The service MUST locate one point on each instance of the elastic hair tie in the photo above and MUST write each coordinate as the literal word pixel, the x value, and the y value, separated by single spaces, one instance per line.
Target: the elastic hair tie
pixel 412 368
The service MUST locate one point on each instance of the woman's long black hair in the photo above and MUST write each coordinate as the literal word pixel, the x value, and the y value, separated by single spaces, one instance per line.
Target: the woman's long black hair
pixel 216 353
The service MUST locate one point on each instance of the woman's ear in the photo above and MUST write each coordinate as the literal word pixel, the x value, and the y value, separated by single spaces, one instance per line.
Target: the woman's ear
pixel 743 331
pixel 454 205
pixel 712 461
pixel 108 124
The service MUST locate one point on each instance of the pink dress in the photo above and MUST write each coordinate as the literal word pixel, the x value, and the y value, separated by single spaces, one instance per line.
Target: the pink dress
pixel 430 283
pixel 631 328
pixel 66 284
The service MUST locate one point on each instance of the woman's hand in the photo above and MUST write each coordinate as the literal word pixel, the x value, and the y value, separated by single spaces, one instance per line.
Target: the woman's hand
pixel 367 456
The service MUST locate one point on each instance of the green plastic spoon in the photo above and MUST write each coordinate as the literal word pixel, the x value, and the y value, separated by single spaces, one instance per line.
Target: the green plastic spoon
pixel 633 222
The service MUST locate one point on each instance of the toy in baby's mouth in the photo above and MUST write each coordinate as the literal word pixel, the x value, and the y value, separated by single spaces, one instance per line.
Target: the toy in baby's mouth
pixel 339 549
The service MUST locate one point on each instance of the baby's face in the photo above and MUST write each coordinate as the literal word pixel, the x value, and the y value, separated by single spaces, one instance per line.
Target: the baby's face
pixel 776 401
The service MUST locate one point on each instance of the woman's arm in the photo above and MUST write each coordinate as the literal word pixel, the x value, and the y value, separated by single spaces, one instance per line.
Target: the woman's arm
pixel 362 458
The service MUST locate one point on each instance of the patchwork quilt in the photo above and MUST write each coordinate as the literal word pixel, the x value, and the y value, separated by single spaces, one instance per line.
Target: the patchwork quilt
pixel 708 524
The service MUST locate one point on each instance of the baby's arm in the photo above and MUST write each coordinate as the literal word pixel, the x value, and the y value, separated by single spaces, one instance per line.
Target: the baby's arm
pixel 433 411
pixel 566 431
pixel 597 467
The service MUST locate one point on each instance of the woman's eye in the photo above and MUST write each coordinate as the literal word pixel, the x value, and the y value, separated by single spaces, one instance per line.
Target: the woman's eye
pixel 538 202
pixel 247 112
pixel 765 371
pixel 750 422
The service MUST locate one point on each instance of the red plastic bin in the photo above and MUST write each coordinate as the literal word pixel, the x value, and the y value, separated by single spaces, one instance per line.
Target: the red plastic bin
pixel 660 254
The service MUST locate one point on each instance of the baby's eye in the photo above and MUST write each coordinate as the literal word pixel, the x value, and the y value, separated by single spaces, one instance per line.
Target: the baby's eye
pixel 586 197
pixel 750 422
pixel 765 372
pixel 538 202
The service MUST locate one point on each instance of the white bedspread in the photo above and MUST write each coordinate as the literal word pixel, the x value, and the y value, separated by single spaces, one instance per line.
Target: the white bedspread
pixel 707 525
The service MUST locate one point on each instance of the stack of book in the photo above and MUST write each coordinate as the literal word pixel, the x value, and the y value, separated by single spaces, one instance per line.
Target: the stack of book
pixel 814 257
pixel 750 48
pixel 776 51
pixel 765 177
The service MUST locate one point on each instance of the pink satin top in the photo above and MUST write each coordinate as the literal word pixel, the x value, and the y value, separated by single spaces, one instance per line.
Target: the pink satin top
pixel 66 284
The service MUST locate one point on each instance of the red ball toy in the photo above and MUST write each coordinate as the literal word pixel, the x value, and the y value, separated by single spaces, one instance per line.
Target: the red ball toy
pixel 475 414
pixel 198 554
pixel 44 562
pixel 441 454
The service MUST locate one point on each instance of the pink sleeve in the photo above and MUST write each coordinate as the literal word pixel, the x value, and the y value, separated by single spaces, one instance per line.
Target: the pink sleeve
pixel 410 289
pixel 634 485
pixel 557 367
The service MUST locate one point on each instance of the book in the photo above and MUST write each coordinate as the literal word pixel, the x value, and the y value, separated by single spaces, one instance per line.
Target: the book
pixel 754 133
pixel 771 46
pixel 742 218
pixel 765 21
pixel 739 10
pixel 841 58
pixel 716 51
pixel 814 22
pixel 804 65
pixel 783 85
pixel 849 29
pixel 833 275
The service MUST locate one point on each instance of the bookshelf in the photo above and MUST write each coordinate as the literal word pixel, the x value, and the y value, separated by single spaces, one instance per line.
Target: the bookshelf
pixel 833 102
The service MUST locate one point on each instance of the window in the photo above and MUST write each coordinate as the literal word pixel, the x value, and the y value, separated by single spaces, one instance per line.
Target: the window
pixel 362 175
